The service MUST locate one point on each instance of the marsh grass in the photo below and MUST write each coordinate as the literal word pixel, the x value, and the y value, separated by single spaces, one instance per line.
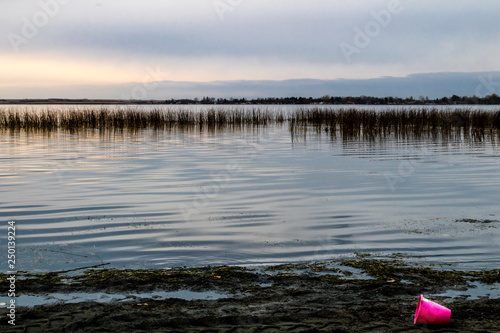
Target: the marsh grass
pixel 402 123
pixel 339 123
pixel 112 120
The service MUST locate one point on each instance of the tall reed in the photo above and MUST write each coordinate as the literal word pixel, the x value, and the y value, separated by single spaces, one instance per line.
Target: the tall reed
pixel 369 124
pixel 346 123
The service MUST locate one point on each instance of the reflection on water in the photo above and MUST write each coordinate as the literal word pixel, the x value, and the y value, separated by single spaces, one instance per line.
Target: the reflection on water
pixel 162 199
pixel 32 300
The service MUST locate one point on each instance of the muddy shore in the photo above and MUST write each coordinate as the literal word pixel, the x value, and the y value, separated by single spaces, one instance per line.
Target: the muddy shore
pixel 358 295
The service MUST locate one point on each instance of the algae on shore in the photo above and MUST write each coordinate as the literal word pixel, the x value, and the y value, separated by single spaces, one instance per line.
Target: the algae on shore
pixel 304 297
pixel 234 277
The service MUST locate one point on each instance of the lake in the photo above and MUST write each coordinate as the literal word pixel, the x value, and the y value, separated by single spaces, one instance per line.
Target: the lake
pixel 254 196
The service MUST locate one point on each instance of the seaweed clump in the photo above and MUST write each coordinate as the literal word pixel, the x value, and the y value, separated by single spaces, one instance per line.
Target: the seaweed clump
pixel 398 271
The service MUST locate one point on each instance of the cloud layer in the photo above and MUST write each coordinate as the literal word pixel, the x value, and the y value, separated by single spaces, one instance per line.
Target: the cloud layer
pixel 53 42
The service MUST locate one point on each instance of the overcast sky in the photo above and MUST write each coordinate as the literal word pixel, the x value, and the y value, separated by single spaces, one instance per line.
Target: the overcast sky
pixel 48 46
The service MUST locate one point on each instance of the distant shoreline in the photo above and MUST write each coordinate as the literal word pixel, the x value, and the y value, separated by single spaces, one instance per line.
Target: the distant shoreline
pixel 325 100
pixel 79 102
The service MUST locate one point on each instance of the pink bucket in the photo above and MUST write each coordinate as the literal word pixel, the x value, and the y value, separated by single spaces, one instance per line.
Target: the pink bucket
pixel 431 313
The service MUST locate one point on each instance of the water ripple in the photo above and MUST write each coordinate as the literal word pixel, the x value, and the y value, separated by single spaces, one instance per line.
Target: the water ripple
pixel 173 199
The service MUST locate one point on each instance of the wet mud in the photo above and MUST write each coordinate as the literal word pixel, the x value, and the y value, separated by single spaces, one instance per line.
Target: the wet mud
pixel 356 295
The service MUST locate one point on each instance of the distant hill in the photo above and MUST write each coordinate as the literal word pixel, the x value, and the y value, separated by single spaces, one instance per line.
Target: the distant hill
pixel 431 85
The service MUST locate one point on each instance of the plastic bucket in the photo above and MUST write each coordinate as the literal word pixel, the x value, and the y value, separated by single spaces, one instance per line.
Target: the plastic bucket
pixel 431 313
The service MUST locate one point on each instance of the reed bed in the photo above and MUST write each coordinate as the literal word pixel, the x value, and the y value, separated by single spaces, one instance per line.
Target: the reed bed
pixel 402 123
pixel 346 123
pixel 112 120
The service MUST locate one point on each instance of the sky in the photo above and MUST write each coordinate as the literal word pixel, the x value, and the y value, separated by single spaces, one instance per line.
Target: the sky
pixel 180 49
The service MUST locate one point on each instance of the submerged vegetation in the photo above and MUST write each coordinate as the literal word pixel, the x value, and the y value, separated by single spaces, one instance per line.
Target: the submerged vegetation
pixel 346 123
pixel 232 278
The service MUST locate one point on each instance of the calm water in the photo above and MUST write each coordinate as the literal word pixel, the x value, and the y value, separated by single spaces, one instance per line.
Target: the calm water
pixel 163 199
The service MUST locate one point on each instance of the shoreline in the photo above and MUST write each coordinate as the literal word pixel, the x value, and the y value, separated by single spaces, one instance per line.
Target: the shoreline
pixel 361 294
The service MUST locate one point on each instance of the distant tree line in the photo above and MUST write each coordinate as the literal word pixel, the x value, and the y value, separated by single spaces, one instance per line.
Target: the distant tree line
pixel 327 100
pixel 362 100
